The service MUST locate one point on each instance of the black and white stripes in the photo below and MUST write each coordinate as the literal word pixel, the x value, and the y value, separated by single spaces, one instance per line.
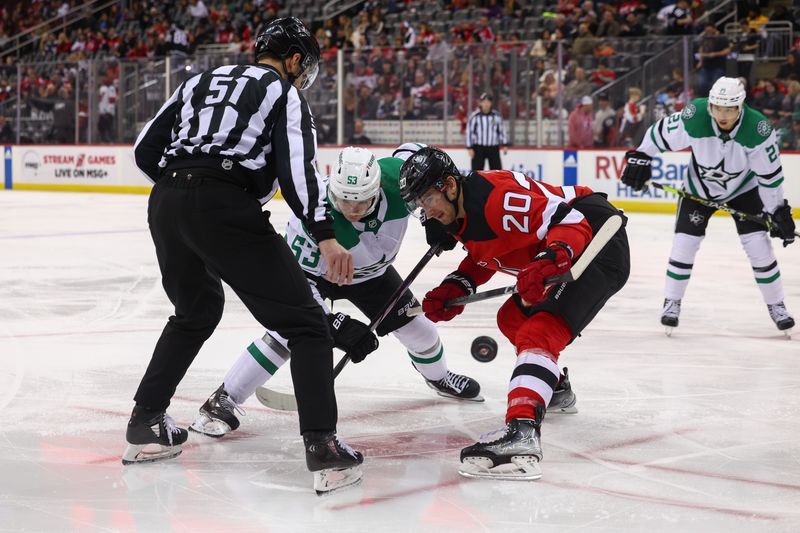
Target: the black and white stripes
pixel 486 129
pixel 248 114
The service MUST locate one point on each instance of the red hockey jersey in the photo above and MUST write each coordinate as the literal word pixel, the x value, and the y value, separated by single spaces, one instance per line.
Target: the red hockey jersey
pixel 511 218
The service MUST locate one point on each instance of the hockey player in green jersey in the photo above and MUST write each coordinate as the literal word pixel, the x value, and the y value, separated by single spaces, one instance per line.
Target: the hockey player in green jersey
pixel 370 220
pixel 735 159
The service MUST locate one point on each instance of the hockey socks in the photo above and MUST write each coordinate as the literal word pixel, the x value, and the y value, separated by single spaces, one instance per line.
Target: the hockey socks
pixel 532 384
pixel 424 347
pixel 255 366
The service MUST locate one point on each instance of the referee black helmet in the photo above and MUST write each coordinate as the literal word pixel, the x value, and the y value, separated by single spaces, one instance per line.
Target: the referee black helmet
pixel 286 36
pixel 428 167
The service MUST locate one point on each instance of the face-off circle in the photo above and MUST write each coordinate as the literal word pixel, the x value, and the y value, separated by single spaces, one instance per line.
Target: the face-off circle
pixel 484 349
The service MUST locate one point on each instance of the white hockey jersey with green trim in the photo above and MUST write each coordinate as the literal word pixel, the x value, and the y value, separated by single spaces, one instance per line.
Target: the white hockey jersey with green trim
pixel 723 165
pixel 373 241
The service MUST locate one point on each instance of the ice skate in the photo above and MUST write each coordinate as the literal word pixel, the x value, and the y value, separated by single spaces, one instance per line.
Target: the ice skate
pixel 458 387
pixel 148 428
pixel 563 400
pixel 217 416
pixel 669 315
pixel 515 455
pixel 335 464
pixel 781 317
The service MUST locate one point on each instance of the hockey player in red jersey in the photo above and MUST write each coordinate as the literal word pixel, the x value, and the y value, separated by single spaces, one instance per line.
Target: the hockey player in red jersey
pixel 533 231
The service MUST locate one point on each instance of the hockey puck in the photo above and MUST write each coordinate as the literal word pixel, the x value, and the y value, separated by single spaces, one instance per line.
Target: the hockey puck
pixel 484 349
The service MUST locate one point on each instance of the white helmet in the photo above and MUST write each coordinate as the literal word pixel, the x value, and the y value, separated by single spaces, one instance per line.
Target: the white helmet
pixel 727 92
pixel 357 177
pixel 406 150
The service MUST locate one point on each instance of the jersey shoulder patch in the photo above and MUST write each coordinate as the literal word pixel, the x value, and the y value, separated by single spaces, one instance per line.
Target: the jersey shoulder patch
pixel 755 128
pixel 696 120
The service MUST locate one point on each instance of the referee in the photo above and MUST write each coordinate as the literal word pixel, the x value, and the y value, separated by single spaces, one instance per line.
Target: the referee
pixel 485 135
pixel 216 150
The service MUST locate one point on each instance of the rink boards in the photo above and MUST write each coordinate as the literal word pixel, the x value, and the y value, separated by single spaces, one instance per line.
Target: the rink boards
pixel 110 168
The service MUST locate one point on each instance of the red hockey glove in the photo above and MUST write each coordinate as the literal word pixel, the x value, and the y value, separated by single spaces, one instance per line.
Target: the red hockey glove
pixel 454 285
pixel 553 261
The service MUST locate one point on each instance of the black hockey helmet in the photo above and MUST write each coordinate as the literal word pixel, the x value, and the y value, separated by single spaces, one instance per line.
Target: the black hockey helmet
pixel 428 167
pixel 284 37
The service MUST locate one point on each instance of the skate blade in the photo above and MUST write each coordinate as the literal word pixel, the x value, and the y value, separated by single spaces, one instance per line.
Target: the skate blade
pixel 333 479
pixel 136 453
pixel 477 398
pixel 668 330
pixel 568 410
pixel 521 468
pixel 209 427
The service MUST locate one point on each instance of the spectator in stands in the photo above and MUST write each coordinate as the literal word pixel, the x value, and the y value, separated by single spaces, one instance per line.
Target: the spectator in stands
pixel 483 33
pixel 791 141
pixel 790 70
pixel 633 114
pixel 409 35
pixel 632 27
pixel 603 75
pixel 376 27
pixel 770 101
pixel 7 135
pixel 359 137
pixel 755 19
pixel 579 125
pixel 608 27
pixel 712 54
pixel 747 45
pixel 603 123
pixel 603 49
pixel 197 9
pixel 791 101
pixel 388 107
pixel 367 102
pixel 107 108
pixel 577 87
pixel 679 19
pixel 584 43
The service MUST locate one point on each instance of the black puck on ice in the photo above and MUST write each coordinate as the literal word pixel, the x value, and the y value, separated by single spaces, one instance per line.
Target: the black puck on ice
pixel 484 349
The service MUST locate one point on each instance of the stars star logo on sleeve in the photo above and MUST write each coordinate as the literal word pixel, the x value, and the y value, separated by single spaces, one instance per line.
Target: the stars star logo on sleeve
pixel 717 174
pixel 696 218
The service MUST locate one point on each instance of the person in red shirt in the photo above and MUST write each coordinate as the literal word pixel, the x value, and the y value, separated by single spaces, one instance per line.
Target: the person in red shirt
pixel 533 231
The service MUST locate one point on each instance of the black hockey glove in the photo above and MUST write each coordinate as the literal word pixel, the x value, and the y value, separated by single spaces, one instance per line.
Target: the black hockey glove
pixel 638 170
pixel 436 233
pixel 352 337
pixel 782 224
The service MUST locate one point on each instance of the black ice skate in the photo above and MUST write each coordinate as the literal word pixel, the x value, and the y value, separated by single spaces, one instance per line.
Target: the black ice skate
pixel 563 400
pixel 217 416
pixel 146 428
pixel 335 464
pixel 781 317
pixel 515 455
pixel 458 387
pixel 670 313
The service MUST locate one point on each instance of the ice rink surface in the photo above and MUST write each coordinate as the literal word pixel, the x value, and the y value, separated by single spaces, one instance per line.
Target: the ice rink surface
pixel 697 432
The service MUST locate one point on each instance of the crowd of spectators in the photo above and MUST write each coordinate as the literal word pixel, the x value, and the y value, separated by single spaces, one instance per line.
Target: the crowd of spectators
pixel 396 51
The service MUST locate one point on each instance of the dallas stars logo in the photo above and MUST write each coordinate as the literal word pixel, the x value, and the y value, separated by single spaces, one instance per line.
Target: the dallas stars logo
pixel 717 174
pixel 696 218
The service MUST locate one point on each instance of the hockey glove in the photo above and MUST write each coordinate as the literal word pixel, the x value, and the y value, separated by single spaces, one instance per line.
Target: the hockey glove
pixel 555 260
pixel 352 337
pixel 637 170
pixel 782 224
pixel 455 285
pixel 436 233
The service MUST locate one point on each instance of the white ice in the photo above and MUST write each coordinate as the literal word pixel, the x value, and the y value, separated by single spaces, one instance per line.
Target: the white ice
pixel 697 432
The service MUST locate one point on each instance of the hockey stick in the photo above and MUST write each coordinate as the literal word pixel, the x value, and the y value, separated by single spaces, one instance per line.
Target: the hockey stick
pixel 601 238
pixel 741 215
pixel 282 401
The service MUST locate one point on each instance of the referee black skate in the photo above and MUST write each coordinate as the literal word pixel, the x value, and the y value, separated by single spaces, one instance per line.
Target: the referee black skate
pixel 485 135
pixel 217 150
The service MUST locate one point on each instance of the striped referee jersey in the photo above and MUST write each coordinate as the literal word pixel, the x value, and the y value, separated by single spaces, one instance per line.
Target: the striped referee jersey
pixel 485 129
pixel 249 115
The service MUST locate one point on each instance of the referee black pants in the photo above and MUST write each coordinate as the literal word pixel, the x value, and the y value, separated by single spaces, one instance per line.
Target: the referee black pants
pixel 482 153
pixel 206 230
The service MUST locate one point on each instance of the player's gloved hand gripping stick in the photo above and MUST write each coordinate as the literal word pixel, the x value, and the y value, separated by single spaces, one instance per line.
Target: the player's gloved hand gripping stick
pixel 598 242
pixel 286 401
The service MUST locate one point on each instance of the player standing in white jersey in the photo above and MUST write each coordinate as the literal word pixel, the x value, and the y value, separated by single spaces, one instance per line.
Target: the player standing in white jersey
pixel 370 220
pixel 736 160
